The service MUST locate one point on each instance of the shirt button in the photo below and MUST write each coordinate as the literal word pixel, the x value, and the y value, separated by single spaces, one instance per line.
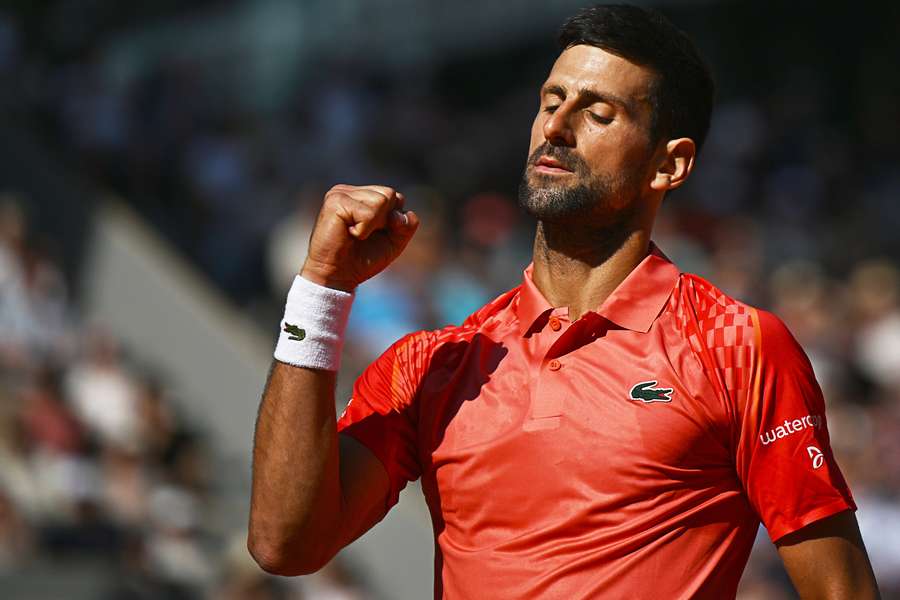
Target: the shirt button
pixel 554 365
pixel 555 324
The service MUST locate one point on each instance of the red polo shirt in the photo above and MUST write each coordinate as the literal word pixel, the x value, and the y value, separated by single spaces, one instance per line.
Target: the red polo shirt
pixel 629 454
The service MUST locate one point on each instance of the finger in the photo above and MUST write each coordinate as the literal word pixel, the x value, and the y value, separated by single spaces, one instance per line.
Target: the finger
pixel 368 218
pixel 412 220
pixel 400 236
pixel 371 212
pixel 403 225
pixel 379 202
pixel 397 219
pixel 386 191
pixel 374 198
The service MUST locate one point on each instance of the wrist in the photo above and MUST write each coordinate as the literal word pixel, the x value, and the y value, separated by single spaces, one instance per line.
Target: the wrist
pixel 312 330
pixel 323 277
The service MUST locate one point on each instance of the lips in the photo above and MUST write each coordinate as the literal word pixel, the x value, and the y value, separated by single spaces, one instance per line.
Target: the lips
pixel 551 164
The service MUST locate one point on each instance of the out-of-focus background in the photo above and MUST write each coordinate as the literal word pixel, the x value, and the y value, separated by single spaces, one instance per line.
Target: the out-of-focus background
pixel 160 167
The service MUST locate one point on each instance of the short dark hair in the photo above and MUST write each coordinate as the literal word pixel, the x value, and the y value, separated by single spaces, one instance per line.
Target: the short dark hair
pixel 681 98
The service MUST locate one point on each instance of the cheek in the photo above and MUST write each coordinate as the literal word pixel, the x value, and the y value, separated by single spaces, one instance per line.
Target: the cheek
pixel 639 161
pixel 611 152
pixel 537 133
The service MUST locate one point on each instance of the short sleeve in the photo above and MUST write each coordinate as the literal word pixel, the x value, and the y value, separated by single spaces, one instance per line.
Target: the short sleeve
pixel 382 413
pixel 784 457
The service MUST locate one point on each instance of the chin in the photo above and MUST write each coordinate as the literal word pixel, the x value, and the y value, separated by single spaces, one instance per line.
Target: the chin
pixel 553 209
pixel 539 181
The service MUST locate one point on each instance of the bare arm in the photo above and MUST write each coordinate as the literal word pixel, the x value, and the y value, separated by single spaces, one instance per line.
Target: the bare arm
pixel 310 496
pixel 827 560
pixel 315 491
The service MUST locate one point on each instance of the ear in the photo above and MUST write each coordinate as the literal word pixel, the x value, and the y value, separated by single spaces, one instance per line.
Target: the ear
pixel 675 165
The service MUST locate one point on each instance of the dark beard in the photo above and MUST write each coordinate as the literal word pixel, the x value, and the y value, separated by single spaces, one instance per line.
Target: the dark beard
pixel 590 197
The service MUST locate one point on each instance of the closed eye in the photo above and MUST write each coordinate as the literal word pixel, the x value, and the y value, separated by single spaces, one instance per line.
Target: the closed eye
pixel 551 108
pixel 599 119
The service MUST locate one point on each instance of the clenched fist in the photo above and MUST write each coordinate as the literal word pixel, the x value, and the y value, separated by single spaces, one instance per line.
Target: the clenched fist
pixel 359 232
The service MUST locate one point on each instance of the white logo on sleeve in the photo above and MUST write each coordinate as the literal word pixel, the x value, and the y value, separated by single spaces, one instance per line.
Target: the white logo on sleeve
pixel 790 427
pixel 818 459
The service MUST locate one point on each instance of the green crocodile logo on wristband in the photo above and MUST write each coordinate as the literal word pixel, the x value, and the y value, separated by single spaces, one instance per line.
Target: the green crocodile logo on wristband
pixel 297 334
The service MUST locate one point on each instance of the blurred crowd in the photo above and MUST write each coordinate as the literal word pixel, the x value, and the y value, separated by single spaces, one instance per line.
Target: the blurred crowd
pixel 98 468
pixel 793 207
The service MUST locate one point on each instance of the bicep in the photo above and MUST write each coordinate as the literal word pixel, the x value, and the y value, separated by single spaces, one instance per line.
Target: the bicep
pixel 365 486
pixel 827 559
pixel 378 436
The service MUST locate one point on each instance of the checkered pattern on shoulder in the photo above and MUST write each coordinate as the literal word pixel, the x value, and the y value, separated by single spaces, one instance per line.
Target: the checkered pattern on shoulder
pixel 720 330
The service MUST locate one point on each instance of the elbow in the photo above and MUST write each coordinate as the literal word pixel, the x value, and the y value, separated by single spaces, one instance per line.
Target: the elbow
pixel 285 559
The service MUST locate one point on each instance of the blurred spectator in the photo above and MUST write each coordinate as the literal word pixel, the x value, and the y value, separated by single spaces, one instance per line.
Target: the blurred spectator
pixel 16 320
pixel 334 582
pixel 16 541
pixel 242 579
pixel 174 546
pixel 103 394
pixel 289 239
pixel 126 486
pixel 875 293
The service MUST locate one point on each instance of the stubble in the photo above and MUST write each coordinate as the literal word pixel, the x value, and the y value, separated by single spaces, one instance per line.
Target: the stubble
pixel 580 198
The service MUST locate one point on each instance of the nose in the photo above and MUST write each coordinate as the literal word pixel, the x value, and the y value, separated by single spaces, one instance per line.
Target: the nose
pixel 557 131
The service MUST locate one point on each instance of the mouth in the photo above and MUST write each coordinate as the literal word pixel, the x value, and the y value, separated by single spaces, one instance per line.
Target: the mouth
pixel 545 164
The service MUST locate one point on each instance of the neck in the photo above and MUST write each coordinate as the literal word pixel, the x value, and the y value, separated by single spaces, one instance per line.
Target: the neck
pixel 581 268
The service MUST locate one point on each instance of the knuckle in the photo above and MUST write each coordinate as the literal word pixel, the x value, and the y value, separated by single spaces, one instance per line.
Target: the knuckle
pixel 386 201
pixel 334 196
pixel 331 203
pixel 373 200
pixel 364 211
pixel 384 193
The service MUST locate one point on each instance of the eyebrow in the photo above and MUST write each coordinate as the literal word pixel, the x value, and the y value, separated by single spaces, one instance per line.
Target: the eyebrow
pixel 591 96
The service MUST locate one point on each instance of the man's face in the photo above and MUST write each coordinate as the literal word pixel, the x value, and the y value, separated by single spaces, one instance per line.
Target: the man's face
pixel 591 147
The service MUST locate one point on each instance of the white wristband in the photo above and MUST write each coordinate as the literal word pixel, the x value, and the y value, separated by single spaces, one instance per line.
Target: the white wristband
pixel 312 330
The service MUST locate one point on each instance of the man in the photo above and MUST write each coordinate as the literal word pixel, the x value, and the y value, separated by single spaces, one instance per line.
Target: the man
pixel 611 428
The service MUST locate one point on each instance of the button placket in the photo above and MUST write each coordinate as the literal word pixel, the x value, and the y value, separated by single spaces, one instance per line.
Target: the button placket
pixel 546 398
pixel 547 401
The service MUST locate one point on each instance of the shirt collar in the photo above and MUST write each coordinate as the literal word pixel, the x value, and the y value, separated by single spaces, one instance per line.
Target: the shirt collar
pixel 634 304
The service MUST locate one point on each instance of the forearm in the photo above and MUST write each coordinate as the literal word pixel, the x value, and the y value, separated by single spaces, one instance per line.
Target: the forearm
pixel 296 495
pixel 827 560
pixel 848 578
pixel 854 582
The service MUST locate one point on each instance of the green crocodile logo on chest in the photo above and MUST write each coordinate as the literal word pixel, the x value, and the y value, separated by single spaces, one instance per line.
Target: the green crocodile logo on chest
pixel 646 392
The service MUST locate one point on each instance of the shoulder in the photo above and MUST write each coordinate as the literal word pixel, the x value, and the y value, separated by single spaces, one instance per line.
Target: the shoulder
pixel 724 320
pixel 732 339
pixel 415 350
pixel 494 313
pixel 709 317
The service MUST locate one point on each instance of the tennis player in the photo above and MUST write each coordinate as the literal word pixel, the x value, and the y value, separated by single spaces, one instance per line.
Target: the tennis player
pixel 610 428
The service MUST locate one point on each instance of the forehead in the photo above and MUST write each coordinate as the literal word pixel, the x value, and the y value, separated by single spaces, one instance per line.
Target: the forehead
pixel 596 69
